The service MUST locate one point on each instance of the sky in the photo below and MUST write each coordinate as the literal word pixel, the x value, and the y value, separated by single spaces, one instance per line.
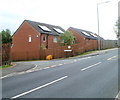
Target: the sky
pixel 80 14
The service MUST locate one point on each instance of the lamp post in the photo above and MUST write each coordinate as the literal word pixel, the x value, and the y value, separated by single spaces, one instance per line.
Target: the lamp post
pixel 98 21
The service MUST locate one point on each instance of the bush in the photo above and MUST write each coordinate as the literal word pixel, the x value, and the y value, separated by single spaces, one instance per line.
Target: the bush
pixel 6 36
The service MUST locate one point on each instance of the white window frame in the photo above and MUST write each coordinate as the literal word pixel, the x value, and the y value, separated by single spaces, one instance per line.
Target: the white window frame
pixel 55 40
pixel 30 39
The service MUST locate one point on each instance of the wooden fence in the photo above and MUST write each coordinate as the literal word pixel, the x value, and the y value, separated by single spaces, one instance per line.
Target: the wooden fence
pixel 57 52
pixel 106 44
pixel 64 51
pixel 6 54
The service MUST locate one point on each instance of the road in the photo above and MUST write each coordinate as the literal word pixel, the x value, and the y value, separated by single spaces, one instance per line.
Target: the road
pixel 89 77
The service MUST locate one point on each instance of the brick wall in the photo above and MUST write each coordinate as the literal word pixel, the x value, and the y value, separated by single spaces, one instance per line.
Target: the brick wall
pixel 88 44
pixel 79 39
pixel 22 49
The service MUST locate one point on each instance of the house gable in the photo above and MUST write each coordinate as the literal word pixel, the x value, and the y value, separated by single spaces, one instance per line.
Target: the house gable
pixel 84 33
pixel 26 39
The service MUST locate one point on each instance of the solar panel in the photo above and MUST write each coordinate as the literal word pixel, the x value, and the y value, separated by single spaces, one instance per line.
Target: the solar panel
pixel 85 33
pixel 58 30
pixel 93 35
pixel 44 28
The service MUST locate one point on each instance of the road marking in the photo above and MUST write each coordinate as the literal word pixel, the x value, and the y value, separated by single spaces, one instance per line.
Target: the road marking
pixel 117 95
pixel 46 67
pixel 54 66
pixel 7 76
pixel 39 87
pixel 111 57
pixel 35 66
pixel 4 77
pixel 75 60
pixel 60 64
pixel 90 66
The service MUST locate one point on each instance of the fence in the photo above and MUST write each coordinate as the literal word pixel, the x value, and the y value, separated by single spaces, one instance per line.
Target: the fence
pixel 6 54
pixel 57 52
pixel 64 51
pixel 106 44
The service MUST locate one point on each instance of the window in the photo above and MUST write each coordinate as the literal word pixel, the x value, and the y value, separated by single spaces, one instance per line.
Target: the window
pixel 55 40
pixel 63 41
pixel 44 28
pixel 85 33
pixel 93 35
pixel 44 38
pixel 58 30
pixel 37 36
pixel 11 45
pixel 30 39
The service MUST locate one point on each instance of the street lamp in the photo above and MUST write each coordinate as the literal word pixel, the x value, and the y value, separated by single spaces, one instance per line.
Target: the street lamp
pixel 98 21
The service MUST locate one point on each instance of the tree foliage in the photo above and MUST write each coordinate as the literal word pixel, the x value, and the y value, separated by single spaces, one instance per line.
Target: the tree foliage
pixel 117 28
pixel 66 38
pixel 6 36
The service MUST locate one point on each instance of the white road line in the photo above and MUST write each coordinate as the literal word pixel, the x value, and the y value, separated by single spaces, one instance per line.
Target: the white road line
pixel 90 66
pixel 75 60
pixel 46 67
pixel 60 64
pixel 4 77
pixel 111 57
pixel 39 87
pixel 117 95
pixel 35 66
pixel 7 75
pixel 30 70
pixel 53 66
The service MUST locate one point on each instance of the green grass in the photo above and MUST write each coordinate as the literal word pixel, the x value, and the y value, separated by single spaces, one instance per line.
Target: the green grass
pixel 89 52
pixel 5 66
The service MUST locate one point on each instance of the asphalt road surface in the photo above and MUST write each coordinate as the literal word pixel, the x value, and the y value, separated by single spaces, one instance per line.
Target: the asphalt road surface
pixel 90 77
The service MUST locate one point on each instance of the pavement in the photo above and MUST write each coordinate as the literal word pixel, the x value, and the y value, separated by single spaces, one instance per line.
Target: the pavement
pixel 25 66
pixel 87 77
pixel 17 67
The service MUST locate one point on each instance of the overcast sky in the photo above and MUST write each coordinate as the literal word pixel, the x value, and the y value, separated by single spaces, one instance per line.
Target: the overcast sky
pixel 80 14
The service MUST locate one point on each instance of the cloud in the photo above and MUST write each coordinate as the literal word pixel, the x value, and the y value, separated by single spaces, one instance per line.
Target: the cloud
pixel 64 13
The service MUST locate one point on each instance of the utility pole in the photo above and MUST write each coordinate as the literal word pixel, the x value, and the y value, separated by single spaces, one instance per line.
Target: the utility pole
pixel 98 22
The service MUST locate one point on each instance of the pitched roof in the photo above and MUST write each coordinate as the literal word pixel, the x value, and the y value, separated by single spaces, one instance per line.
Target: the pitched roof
pixel 86 34
pixel 54 30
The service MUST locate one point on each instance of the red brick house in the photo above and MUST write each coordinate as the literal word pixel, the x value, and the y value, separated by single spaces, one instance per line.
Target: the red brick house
pixel 31 36
pixel 88 39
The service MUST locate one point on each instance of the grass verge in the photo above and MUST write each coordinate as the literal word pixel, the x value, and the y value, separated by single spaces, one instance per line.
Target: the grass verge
pixel 5 66
pixel 89 52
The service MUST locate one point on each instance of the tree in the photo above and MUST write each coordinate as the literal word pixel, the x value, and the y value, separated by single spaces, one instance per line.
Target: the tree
pixel 117 28
pixel 6 36
pixel 66 38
